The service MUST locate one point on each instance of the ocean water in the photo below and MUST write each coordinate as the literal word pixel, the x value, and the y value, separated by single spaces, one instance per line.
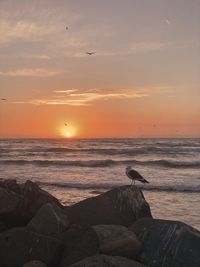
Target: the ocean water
pixel 76 169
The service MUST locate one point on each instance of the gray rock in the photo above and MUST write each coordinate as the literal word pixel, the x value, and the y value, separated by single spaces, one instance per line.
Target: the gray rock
pixel 80 242
pixel 117 240
pixel 107 261
pixel 34 198
pixel 123 205
pixel 19 246
pixel 49 220
pixel 168 243
pixel 34 264
pixel 10 207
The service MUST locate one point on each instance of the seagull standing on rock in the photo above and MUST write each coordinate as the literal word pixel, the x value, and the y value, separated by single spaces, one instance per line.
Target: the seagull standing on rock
pixel 135 176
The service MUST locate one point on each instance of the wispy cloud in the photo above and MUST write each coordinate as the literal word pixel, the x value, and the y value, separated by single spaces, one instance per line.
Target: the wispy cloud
pixel 85 97
pixel 39 72
pixel 23 30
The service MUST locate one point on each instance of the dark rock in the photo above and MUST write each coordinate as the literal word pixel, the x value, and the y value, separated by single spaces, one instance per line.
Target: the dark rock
pixel 107 261
pixel 117 240
pixel 80 242
pixel 49 220
pixel 2 227
pixel 123 205
pixel 10 207
pixel 34 198
pixel 168 243
pixel 12 185
pixel 34 264
pixel 19 246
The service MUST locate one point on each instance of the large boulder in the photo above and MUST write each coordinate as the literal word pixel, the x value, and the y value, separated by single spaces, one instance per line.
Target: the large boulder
pixel 19 246
pixel 49 220
pixel 123 205
pixel 80 242
pixel 107 261
pixel 10 207
pixel 34 198
pixel 168 243
pixel 117 240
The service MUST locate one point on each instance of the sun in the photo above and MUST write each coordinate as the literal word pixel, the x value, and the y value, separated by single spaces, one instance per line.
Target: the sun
pixel 68 134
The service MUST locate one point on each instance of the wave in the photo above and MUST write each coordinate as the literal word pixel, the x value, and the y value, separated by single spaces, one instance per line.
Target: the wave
pixel 104 163
pixel 104 187
pixel 104 151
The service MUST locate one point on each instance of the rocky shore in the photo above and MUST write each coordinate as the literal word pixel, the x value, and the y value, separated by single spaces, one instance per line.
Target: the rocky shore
pixel 114 229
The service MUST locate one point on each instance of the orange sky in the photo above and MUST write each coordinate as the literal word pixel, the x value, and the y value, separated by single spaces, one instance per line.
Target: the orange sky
pixel 143 80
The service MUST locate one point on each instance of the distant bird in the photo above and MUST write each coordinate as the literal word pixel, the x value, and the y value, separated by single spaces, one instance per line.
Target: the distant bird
pixel 65 124
pixel 90 53
pixel 3 99
pixel 134 175
pixel 67 28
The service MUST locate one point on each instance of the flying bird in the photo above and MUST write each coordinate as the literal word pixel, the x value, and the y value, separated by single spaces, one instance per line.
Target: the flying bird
pixel 90 53
pixel 67 28
pixel 135 176
pixel 3 99
pixel 65 124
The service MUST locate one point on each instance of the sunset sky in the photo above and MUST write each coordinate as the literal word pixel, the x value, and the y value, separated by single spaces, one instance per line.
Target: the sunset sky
pixel 143 80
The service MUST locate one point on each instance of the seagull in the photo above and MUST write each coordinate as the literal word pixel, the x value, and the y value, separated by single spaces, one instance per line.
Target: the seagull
pixel 90 53
pixel 134 175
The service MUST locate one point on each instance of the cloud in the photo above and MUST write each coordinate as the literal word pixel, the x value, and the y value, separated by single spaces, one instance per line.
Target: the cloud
pixel 39 72
pixel 23 31
pixel 85 97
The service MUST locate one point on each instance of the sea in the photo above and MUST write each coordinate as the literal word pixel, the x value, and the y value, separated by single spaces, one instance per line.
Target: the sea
pixel 75 169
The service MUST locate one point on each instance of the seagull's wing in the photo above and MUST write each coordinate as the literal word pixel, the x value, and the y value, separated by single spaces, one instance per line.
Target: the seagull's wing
pixel 135 175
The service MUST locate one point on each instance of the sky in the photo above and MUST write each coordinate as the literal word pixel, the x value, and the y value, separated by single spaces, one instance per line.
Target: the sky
pixel 142 81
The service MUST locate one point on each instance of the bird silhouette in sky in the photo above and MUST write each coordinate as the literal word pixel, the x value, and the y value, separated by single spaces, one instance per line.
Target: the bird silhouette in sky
pixel 67 28
pixel 90 53
pixel 3 99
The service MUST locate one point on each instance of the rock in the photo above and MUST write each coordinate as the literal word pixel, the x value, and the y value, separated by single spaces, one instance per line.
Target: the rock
pixel 34 198
pixel 107 261
pixel 12 185
pixel 168 243
pixel 117 240
pixel 123 205
pixel 49 220
pixel 19 246
pixel 10 206
pixel 80 242
pixel 2 227
pixel 34 264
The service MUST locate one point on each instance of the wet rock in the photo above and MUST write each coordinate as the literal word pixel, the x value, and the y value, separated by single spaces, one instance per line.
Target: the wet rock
pixel 49 220
pixel 107 261
pixel 80 242
pixel 117 240
pixel 34 198
pixel 34 264
pixel 167 243
pixel 123 205
pixel 19 246
pixel 10 207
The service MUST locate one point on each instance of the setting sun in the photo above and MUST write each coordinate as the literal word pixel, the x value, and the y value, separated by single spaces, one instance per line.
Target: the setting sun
pixel 68 134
